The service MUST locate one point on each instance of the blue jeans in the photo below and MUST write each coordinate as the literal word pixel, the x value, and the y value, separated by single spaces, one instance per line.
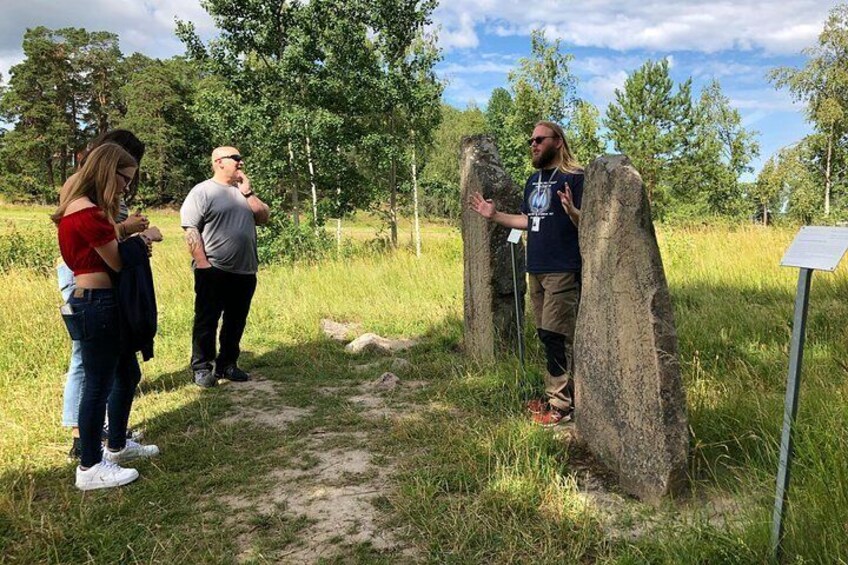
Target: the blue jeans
pixel 76 375
pixel 108 373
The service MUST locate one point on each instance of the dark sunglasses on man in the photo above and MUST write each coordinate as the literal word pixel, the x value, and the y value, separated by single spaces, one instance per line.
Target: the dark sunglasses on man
pixel 237 158
pixel 539 139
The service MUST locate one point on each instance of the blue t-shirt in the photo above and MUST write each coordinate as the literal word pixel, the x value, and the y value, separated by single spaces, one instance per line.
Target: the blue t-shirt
pixel 552 245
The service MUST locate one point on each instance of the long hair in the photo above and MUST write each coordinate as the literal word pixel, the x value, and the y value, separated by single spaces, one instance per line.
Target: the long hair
pixel 566 161
pixel 128 141
pixel 97 180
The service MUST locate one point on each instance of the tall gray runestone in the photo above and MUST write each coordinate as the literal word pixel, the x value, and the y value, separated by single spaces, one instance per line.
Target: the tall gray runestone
pixel 630 402
pixel 488 287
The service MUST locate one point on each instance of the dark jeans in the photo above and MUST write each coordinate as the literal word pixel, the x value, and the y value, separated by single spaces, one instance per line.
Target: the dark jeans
pixel 108 373
pixel 218 292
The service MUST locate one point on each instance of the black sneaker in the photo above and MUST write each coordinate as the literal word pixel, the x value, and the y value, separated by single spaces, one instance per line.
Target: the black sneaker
pixel 233 373
pixel 205 379
pixel 76 451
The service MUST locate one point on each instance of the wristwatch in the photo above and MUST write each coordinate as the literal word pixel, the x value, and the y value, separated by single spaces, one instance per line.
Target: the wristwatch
pixel 247 194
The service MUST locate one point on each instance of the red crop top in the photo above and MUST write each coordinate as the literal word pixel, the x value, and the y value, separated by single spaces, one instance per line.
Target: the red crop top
pixel 79 233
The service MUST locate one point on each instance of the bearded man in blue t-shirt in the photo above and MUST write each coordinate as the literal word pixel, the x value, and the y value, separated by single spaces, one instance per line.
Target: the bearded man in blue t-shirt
pixel 550 212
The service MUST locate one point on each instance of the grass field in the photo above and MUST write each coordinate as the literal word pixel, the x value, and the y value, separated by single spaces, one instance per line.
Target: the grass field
pixel 446 468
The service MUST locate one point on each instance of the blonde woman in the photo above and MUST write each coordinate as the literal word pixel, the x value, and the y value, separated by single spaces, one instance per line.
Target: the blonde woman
pixel 89 247
pixel 126 224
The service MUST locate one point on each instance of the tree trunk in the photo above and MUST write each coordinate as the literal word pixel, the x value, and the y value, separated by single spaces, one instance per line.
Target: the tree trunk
pixel 295 201
pixel 417 226
pixel 50 178
pixel 338 202
pixel 312 183
pixel 64 171
pixel 765 215
pixel 393 203
pixel 827 172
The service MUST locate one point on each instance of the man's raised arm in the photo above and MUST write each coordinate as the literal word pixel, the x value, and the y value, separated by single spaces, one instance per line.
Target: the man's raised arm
pixel 261 211
pixel 486 208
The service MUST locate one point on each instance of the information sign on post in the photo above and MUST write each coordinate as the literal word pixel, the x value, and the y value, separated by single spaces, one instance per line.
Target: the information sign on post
pixel 814 248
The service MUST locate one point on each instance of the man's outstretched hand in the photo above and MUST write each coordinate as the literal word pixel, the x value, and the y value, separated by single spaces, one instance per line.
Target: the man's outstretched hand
pixel 485 208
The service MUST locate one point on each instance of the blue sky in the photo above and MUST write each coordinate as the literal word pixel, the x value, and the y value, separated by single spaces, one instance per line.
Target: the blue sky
pixel 737 45
pixel 482 40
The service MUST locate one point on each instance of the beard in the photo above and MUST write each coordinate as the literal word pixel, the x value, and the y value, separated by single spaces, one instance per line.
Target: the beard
pixel 545 159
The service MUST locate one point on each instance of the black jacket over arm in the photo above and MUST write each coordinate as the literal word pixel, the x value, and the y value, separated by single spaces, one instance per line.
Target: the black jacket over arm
pixel 136 299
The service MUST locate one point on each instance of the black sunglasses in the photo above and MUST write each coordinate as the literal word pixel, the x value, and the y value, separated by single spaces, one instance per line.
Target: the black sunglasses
pixel 237 158
pixel 539 139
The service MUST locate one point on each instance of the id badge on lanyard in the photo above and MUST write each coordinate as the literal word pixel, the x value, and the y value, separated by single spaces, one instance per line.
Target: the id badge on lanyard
pixel 535 223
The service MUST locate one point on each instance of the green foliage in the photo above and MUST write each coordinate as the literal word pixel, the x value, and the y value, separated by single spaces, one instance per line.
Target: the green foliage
pixel 823 85
pixel 27 249
pixel 543 88
pixel 60 95
pixel 325 95
pixel 159 98
pixel 440 176
pixel 690 156
pixel 281 241
pixel 651 123
pixel 583 133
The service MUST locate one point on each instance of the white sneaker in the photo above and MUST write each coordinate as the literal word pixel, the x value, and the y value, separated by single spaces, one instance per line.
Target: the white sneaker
pixel 104 475
pixel 132 450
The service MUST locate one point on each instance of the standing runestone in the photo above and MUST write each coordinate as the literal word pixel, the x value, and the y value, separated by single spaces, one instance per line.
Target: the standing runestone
pixel 630 402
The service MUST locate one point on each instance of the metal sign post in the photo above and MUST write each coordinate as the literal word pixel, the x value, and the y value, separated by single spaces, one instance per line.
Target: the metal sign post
pixel 513 239
pixel 814 248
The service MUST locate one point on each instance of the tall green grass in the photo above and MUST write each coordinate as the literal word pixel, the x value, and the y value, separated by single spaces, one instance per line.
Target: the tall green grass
pixel 475 481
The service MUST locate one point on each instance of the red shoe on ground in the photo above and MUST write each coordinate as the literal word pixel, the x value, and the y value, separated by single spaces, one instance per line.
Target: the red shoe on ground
pixel 538 405
pixel 553 417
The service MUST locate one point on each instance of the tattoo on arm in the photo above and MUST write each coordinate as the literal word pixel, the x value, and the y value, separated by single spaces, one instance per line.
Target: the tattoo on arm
pixel 192 237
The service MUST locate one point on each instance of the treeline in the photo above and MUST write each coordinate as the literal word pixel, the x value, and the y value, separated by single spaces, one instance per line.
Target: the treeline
pixel 75 84
pixel 331 102
pixel 337 108
pixel 691 149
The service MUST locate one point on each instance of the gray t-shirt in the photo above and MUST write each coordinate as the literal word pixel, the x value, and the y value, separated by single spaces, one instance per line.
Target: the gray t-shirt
pixel 225 221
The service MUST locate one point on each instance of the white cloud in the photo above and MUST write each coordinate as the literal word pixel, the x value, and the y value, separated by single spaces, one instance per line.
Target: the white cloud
pixel 460 92
pixel 601 88
pixel 482 67
pixel 695 25
pixel 142 25
pixel 764 100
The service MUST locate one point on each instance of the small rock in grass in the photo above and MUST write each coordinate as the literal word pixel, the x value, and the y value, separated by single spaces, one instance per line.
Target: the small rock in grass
pixel 338 331
pixel 387 381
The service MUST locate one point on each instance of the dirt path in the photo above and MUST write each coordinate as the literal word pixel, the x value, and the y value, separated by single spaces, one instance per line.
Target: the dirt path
pixel 321 504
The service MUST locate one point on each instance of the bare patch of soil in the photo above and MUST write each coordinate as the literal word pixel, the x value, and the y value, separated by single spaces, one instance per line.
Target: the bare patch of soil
pixel 330 488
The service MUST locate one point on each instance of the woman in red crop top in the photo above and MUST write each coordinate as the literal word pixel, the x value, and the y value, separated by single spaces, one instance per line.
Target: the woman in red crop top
pixel 89 247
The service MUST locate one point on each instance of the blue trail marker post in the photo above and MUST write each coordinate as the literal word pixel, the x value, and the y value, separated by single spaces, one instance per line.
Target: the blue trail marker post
pixel 814 248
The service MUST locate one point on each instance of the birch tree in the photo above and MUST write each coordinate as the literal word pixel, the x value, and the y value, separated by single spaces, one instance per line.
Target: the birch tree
pixel 823 85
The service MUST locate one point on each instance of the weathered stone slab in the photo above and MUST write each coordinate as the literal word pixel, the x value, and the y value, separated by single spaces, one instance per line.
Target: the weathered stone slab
pixel 630 402
pixel 489 303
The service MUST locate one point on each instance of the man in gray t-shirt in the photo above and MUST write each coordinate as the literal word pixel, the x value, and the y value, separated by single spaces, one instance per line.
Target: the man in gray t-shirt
pixel 219 217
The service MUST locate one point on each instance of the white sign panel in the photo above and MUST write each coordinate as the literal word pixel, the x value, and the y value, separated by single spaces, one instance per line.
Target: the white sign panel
pixel 514 236
pixel 817 248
